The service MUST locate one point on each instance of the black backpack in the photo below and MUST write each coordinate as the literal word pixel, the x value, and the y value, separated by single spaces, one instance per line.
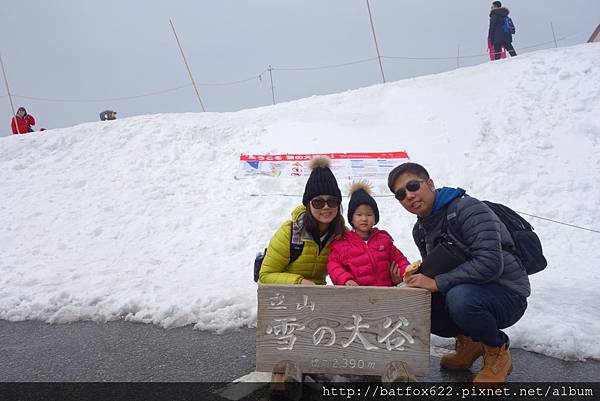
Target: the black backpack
pixel 528 247
pixel 296 247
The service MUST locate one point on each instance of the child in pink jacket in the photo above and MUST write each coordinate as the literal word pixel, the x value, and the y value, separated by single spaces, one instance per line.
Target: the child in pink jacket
pixel 366 255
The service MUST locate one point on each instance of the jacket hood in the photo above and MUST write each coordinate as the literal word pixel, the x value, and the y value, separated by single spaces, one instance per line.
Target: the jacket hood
pixel 298 220
pixel 502 11
pixel 297 213
pixel 445 195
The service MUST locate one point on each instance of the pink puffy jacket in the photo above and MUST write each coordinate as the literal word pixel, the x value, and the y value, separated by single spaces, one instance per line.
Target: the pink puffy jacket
pixel 366 262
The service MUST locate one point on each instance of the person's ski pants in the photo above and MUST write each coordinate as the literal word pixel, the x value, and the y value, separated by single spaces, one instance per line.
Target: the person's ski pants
pixel 498 49
pixel 478 311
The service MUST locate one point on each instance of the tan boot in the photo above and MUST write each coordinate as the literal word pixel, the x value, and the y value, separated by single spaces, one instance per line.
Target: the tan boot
pixel 497 365
pixel 467 352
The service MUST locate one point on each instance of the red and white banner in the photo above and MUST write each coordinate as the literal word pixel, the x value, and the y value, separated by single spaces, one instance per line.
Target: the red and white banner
pixel 350 165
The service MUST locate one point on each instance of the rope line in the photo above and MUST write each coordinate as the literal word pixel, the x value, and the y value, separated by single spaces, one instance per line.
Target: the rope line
pixel 476 55
pixel 43 99
pixel 259 76
pixel 389 196
pixel 324 67
pixel 559 222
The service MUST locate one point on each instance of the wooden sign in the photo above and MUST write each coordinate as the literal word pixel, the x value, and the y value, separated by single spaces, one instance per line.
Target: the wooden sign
pixel 345 330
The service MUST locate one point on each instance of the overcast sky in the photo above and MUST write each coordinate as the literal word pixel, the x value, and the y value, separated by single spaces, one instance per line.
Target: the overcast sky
pixel 63 50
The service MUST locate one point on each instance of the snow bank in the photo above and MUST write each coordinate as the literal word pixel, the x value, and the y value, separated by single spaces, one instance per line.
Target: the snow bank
pixel 141 219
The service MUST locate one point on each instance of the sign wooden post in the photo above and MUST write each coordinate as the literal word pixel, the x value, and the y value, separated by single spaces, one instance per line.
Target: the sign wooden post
pixel 343 330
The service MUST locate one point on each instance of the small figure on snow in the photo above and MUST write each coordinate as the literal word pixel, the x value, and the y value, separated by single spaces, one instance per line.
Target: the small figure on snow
pixel 108 115
pixel 22 122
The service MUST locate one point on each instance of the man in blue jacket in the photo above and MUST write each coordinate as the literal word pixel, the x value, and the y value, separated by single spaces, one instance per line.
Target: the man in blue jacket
pixel 479 297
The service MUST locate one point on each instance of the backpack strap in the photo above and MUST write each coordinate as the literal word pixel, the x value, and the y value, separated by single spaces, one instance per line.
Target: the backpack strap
pixel 497 210
pixel 448 238
pixel 295 238
pixel 504 216
pixel 296 247
pixel 444 230
pixel 296 243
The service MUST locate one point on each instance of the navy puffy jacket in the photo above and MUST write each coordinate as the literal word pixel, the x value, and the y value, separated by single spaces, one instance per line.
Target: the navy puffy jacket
pixel 481 234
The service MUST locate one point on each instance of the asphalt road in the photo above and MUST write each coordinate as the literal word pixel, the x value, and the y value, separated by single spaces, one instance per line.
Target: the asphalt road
pixel 121 351
pixel 128 352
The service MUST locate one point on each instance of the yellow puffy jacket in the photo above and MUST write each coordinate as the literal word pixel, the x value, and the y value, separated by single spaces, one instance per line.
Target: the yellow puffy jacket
pixel 311 264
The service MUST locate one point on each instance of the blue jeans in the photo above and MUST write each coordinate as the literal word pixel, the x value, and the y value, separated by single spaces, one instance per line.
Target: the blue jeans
pixel 478 311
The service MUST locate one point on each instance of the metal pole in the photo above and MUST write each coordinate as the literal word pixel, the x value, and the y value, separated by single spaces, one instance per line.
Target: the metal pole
pixel 553 34
pixel 12 106
pixel 187 66
pixel 375 39
pixel 271 76
pixel 458 57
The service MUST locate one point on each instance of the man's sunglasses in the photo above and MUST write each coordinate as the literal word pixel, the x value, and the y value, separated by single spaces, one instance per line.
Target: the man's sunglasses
pixel 411 186
pixel 319 203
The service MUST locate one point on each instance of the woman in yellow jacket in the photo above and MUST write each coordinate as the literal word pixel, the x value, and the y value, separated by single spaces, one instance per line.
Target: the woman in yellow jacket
pixel 315 224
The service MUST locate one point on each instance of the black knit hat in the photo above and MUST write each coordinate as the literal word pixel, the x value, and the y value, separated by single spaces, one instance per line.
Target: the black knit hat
pixel 360 194
pixel 321 180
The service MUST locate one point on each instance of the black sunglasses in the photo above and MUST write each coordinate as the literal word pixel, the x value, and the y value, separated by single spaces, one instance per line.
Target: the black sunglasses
pixel 319 203
pixel 411 186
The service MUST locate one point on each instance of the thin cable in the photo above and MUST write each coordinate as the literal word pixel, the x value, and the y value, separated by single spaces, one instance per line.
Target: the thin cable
pixel 538 45
pixel 478 55
pixel 559 222
pixel 427 58
pixel 43 99
pixel 323 67
pixel 258 76
pixel 299 196
pixel 389 196
pixel 102 100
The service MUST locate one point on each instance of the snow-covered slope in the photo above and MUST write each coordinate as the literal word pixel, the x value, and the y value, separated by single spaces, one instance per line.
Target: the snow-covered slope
pixel 142 218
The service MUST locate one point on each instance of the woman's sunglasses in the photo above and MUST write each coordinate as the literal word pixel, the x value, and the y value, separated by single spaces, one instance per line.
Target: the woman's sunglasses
pixel 411 186
pixel 319 203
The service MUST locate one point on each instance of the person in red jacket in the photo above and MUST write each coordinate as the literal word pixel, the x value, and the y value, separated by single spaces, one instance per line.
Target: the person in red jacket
pixel 22 122
pixel 366 255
